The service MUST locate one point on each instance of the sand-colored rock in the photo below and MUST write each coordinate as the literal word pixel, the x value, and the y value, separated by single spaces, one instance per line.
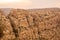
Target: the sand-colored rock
pixel 47 22
pixel 20 21
pixel 40 23
pixel 34 24
pixel 6 30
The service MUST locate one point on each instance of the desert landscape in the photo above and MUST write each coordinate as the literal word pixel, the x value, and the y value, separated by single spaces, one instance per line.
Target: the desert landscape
pixel 30 24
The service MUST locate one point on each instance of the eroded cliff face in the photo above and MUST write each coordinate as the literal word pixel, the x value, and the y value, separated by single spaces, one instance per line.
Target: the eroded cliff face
pixel 6 31
pixel 20 24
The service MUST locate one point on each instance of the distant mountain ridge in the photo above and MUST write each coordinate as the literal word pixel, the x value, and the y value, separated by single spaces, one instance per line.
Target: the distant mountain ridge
pixel 6 11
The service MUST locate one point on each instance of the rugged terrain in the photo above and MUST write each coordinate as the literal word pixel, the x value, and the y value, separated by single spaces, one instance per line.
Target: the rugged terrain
pixel 34 24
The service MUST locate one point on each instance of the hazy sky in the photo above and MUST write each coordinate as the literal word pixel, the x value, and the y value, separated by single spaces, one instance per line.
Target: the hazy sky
pixel 29 3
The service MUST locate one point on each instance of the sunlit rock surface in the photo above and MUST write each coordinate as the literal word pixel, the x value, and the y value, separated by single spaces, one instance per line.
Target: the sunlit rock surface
pixel 6 30
pixel 33 24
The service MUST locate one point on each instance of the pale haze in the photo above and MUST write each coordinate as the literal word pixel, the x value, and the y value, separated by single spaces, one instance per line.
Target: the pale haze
pixel 28 4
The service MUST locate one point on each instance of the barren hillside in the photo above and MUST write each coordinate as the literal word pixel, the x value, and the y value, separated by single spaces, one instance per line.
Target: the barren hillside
pixel 31 24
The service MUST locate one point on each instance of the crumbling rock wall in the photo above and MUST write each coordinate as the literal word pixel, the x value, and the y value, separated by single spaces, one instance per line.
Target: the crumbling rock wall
pixel 35 24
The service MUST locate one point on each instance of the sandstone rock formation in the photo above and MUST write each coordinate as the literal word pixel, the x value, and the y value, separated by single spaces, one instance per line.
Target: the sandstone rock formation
pixel 22 29
pixel 35 24
pixel 6 30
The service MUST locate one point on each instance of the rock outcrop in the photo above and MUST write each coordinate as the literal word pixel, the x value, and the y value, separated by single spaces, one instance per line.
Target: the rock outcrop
pixel 6 31
pixel 37 24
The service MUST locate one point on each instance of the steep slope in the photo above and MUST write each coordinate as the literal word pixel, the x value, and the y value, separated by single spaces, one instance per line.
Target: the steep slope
pixel 19 21
pixel 42 24
pixel 34 24
pixel 48 22
pixel 6 31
